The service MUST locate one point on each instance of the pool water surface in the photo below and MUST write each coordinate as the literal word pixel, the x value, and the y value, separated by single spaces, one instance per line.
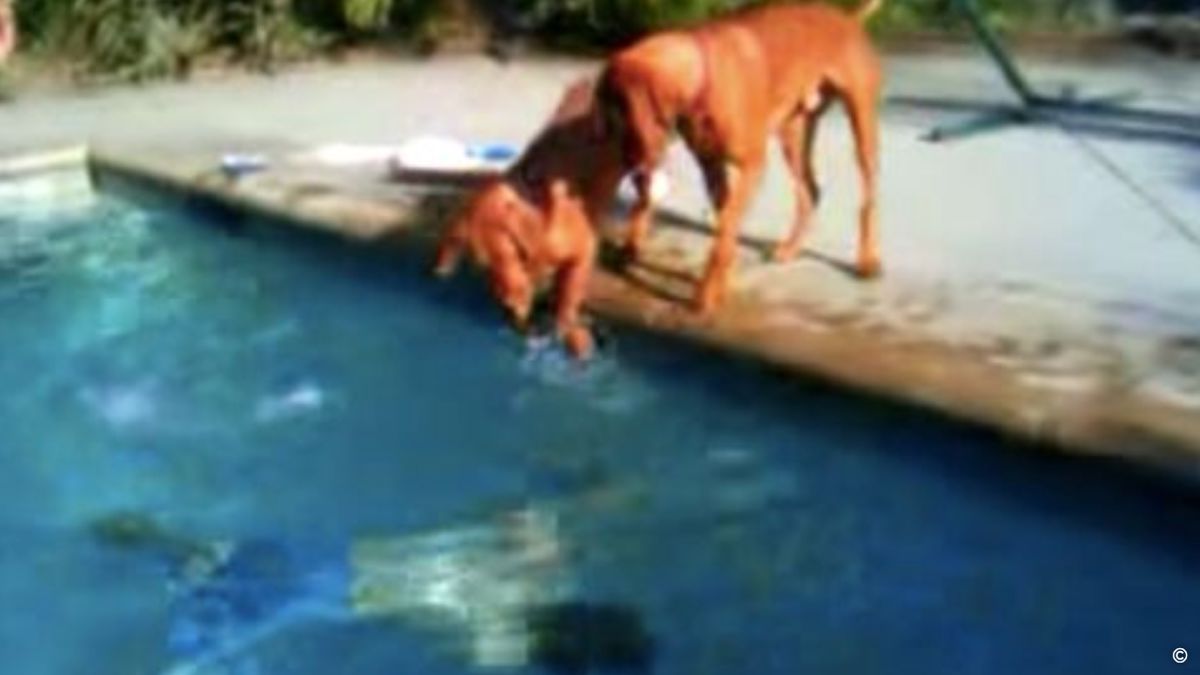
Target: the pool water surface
pixel 224 451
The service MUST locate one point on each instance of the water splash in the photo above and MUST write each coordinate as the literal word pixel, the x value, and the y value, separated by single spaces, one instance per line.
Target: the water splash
pixel 301 399
pixel 122 405
pixel 601 381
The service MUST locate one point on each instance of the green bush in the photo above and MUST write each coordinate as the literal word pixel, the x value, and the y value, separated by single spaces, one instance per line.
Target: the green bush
pixel 608 22
pixel 139 39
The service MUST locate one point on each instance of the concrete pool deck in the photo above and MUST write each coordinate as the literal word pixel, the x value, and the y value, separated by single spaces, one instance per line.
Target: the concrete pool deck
pixel 1028 287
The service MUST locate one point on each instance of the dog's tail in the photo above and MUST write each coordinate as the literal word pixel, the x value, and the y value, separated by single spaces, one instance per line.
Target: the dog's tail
pixel 867 9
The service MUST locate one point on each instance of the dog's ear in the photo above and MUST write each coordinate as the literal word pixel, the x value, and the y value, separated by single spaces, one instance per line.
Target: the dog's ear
pixel 576 101
pixel 456 238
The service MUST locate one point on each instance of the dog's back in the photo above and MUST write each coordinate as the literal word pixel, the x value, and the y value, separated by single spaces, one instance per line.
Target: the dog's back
pixel 788 44
pixel 805 40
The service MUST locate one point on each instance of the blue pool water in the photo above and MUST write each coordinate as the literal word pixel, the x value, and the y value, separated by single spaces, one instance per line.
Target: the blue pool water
pixel 224 451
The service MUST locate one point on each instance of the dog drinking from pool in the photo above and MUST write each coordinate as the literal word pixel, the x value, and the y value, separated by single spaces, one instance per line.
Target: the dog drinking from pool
pixel 537 222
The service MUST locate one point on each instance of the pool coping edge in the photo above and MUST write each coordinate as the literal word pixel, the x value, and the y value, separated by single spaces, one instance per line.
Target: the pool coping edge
pixel 959 386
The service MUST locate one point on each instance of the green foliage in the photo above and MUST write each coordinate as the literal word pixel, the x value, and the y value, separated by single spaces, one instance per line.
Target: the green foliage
pixel 1004 15
pixel 128 39
pixel 367 15
pixel 608 22
pixel 139 39
pixel 262 32
pixel 143 39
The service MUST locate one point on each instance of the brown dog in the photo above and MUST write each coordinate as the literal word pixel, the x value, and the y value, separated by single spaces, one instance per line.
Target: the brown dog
pixel 536 222
pixel 726 86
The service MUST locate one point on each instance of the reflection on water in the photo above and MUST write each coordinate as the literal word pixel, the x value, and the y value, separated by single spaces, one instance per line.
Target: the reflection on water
pixel 498 593
pixel 478 581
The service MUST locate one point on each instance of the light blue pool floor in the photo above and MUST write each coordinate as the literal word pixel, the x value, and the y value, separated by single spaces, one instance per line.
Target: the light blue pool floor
pixel 230 452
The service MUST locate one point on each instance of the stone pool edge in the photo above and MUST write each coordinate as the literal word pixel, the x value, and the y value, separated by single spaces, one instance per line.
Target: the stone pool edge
pixel 1112 420
pixel 52 159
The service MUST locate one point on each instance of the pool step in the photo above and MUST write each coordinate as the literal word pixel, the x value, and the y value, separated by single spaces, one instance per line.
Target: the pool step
pixel 45 183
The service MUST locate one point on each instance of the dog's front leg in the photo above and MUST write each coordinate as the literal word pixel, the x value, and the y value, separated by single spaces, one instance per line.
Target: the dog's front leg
pixel 730 184
pixel 573 279
pixel 640 217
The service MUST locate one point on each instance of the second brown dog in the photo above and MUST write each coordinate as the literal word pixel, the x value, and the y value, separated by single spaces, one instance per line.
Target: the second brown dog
pixel 726 87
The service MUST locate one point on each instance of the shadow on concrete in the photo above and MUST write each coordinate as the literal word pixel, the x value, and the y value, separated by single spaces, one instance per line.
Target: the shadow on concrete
pixel 660 281
pixel 675 283
pixel 1191 175
pixel 1119 123
pixel 1116 123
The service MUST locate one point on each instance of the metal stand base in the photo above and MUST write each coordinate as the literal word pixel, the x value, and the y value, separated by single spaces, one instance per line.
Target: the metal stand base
pixel 1037 110
pixel 1032 107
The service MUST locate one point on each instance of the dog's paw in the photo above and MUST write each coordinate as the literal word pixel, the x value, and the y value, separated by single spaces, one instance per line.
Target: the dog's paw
pixel 782 253
pixel 579 343
pixel 629 254
pixel 617 258
pixel 705 304
pixel 870 268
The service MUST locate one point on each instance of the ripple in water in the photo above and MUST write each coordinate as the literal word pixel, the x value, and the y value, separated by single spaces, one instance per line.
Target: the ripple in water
pixel 302 399
pixel 122 405
pixel 600 381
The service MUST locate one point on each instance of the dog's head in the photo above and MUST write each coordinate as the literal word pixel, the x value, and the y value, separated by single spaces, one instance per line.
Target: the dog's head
pixel 498 229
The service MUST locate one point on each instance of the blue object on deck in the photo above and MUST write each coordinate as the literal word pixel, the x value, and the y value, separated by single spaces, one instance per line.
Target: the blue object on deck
pixel 236 165
pixel 494 152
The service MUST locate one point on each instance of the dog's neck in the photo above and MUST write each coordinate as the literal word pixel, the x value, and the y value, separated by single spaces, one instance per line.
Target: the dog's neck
pixel 701 92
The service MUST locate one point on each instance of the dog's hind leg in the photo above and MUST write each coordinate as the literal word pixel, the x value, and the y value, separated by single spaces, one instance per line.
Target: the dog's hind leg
pixel 797 139
pixel 862 107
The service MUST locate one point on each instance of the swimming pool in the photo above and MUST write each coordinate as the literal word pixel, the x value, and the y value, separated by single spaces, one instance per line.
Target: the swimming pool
pixel 233 451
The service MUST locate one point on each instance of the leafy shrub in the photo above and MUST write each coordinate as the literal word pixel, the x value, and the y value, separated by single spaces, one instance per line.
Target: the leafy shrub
pixel 368 15
pixel 138 39
pixel 142 39
pixel 608 22
pixel 262 32
pixel 128 39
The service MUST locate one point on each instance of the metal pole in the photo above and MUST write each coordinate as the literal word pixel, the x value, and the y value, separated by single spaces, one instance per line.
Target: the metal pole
pixel 991 42
pixel 1033 107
